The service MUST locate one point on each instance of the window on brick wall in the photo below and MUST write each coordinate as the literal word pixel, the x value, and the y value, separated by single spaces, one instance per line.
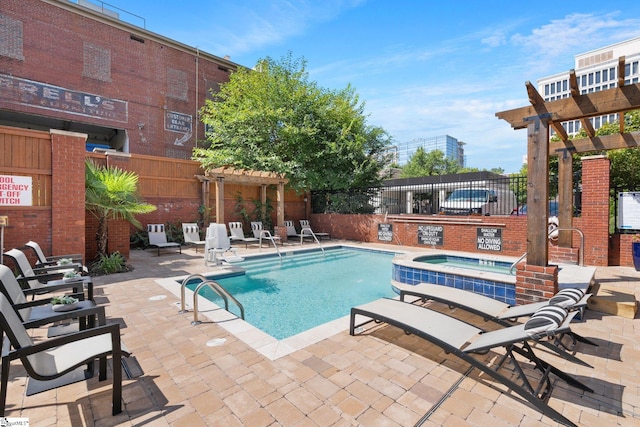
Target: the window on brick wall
pixel 11 38
pixel 97 62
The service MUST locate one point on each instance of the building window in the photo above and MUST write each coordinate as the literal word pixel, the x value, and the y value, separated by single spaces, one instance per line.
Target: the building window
pixel 11 38
pixel 605 75
pixel 546 89
pixel 177 86
pixel 597 77
pixel 584 80
pixel 564 85
pixel 590 79
pixel 96 62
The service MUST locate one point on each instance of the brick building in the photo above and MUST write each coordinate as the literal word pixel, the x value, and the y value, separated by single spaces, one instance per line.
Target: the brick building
pixel 77 67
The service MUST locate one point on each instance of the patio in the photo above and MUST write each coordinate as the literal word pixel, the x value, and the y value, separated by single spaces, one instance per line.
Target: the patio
pixel 380 378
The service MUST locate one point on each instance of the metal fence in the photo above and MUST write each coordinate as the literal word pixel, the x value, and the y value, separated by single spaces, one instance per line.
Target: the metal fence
pixel 462 194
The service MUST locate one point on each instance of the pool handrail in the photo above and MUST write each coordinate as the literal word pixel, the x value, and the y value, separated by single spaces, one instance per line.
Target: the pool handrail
pixel 302 235
pixel 221 291
pixel 215 286
pixel 581 259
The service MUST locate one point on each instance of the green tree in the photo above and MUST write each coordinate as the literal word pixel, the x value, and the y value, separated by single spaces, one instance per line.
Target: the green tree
pixel 111 193
pixel 423 163
pixel 274 119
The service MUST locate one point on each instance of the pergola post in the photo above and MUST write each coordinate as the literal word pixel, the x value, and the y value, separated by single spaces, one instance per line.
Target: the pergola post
pixel 280 208
pixel 263 200
pixel 537 189
pixel 220 200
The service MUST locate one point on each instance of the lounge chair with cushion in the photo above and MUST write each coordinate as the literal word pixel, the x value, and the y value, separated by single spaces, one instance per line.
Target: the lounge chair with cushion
pixel 218 244
pixel 502 313
pixel 463 340
pixel 60 360
pixel 158 238
pixel 62 260
pixel 292 233
pixel 237 235
pixel 191 233
pixel 44 280
pixel 305 227
pixel 261 234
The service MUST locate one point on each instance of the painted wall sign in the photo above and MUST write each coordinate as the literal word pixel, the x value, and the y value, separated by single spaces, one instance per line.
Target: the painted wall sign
pixel 14 90
pixel 385 232
pixel 489 239
pixel 431 235
pixel 177 122
pixel 16 190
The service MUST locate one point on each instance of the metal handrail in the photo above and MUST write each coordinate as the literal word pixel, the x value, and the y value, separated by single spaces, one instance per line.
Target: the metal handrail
pixel 302 235
pixel 216 287
pixel 516 263
pixel 184 286
pixel 268 235
pixel 581 260
pixel 222 292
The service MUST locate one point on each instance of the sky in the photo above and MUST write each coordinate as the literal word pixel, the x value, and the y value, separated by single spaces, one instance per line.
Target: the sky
pixel 423 68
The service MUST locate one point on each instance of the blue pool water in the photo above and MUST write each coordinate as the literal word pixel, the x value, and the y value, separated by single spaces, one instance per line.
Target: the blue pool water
pixel 480 264
pixel 305 289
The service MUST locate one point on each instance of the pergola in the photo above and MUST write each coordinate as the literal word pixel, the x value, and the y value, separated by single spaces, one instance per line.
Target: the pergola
pixel 537 118
pixel 243 177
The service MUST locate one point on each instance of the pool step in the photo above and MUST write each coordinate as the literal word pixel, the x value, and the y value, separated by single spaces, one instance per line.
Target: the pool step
pixel 261 266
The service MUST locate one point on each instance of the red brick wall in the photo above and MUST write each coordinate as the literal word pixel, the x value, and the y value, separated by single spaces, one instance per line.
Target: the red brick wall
pixel 153 78
pixel 67 190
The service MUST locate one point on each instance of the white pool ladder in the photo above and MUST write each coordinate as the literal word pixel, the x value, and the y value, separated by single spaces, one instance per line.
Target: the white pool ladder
pixel 310 232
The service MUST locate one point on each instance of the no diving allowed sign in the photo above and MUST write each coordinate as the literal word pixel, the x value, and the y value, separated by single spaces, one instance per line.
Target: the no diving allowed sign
pixel 489 239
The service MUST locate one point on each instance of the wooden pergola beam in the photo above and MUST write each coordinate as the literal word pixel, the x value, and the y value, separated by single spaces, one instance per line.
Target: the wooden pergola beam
pixel 597 143
pixel 610 101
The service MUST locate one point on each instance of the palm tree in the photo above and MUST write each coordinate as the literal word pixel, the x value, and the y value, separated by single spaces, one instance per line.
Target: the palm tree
pixel 112 193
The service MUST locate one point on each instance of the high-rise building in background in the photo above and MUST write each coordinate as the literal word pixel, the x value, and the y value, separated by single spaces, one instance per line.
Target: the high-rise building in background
pixel 595 70
pixel 450 146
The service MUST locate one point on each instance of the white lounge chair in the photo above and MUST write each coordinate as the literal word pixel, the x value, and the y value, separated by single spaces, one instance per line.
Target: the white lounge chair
pixel 191 233
pixel 291 232
pixel 158 238
pixel 237 235
pixel 261 234
pixel 304 224
pixel 463 340
pixel 61 359
pixel 217 245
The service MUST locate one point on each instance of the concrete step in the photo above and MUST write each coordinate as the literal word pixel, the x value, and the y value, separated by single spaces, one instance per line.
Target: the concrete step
pixel 611 300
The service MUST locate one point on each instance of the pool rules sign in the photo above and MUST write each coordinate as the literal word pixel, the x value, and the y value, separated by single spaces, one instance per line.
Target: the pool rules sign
pixel 15 190
pixel 489 239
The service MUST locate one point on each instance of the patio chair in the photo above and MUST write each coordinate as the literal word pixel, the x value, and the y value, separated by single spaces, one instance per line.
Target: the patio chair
pixel 60 359
pixel 304 224
pixel 260 233
pixel 191 233
pixel 291 232
pixel 44 261
pixel 44 280
pixel 463 340
pixel 40 312
pixel 158 238
pixel 237 235
pixel 218 244
pixel 502 313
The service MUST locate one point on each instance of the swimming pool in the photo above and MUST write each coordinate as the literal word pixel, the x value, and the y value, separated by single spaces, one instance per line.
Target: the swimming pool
pixel 305 288
pixel 485 275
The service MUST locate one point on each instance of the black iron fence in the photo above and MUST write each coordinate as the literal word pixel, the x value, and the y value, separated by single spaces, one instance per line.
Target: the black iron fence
pixel 480 193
